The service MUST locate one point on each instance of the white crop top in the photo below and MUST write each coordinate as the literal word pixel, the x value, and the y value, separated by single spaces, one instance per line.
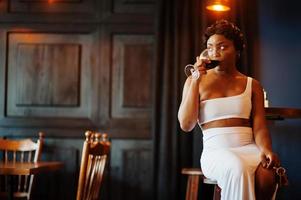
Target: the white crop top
pixel 238 106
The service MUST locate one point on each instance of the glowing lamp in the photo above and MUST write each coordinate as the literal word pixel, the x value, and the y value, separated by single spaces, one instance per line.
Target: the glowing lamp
pixel 218 5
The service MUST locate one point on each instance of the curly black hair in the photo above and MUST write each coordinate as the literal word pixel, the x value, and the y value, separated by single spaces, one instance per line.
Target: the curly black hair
pixel 227 29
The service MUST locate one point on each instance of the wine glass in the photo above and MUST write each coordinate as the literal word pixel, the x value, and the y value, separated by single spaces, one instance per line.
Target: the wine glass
pixel 191 71
pixel 213 63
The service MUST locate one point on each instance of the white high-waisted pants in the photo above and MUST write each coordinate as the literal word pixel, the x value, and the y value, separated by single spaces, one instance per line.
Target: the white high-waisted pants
pixel 231 157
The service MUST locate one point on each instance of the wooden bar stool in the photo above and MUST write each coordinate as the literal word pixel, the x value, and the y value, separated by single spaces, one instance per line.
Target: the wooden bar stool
pixel 194 175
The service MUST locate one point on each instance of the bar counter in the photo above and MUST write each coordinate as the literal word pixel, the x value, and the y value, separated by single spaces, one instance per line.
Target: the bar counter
pixel 279 113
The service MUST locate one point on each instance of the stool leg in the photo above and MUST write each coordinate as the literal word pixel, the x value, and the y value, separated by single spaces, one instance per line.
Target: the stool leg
pixel 217 193
pixel 192 187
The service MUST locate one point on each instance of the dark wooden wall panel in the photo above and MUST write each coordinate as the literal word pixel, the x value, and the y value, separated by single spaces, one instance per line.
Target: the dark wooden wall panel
pixel 45 77
pixel 136 172
pixel 132 64
pixel 131 170
pixel 47 74
pixel 127 49
pixel 137 82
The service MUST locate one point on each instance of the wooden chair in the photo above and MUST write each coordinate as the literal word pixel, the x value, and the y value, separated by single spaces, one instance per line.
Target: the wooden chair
pixel 95 153
pixel 24 150
pixel 194 175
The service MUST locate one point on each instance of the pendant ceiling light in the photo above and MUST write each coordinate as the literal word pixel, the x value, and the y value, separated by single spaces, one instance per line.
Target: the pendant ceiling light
pixel 218 5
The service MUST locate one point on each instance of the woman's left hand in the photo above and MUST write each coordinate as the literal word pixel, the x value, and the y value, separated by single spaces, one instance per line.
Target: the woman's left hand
pixel 269 159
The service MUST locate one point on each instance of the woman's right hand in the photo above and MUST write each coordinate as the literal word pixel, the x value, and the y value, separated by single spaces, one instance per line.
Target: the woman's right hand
pixel 189 108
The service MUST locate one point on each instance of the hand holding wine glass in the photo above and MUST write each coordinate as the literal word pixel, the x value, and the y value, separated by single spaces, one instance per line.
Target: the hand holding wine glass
pixel 202 64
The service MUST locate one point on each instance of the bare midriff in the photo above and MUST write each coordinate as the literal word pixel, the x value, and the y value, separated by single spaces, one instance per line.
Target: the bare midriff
pixel 231 122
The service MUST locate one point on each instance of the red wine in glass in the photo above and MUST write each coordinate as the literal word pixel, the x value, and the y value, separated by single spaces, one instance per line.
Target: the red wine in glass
pixel 212 64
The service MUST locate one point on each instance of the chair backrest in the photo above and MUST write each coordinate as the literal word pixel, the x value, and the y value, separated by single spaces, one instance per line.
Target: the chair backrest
pixel 95 154
pixel 23 150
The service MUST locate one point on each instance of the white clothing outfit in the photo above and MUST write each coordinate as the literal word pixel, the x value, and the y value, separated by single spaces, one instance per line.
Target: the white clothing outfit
pixel 230 155
pixel 238 106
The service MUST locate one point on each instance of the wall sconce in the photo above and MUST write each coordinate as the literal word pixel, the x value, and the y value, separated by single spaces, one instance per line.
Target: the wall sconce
pixel 218 5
